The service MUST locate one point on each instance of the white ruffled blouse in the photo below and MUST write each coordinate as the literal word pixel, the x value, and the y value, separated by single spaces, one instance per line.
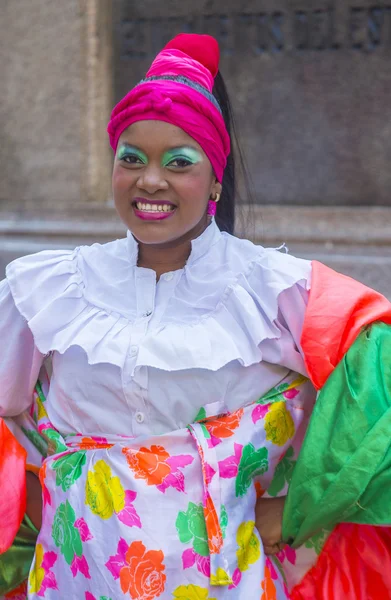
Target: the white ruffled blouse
pixel 133 356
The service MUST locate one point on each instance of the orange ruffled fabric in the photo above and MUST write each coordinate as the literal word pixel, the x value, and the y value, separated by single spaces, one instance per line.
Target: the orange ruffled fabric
pixel 338 308
pixel 13 486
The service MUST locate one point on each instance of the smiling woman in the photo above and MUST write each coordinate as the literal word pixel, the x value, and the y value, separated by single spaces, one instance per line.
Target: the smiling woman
pixel 185 369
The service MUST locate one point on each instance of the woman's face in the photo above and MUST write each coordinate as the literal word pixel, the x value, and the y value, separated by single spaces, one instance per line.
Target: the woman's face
pixel 162 181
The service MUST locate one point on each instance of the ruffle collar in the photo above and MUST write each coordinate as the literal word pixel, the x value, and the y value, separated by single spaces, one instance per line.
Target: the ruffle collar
pixel 199 246
pixel 221 309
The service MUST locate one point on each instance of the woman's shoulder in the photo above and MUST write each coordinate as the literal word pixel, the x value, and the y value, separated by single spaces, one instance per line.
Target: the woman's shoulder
pixel 246 257
pixel 37 279
pixel 49 263
pixel 62 295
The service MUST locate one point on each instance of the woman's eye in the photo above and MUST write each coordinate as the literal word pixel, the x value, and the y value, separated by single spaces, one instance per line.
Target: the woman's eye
pixel 132 159
pixel 179 162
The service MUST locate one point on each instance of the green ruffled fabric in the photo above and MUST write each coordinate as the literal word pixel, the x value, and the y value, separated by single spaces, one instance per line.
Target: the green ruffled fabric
pixel 15 563
pixel 343 472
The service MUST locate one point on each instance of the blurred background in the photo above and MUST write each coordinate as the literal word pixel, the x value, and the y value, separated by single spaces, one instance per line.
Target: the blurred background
pixel 310 82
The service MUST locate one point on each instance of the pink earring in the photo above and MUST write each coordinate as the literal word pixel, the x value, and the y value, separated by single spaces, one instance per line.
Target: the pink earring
pixel 212 205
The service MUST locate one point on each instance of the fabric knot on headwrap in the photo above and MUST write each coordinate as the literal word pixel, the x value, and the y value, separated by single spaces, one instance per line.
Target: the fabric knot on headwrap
pixel 177 89
pixel 161 103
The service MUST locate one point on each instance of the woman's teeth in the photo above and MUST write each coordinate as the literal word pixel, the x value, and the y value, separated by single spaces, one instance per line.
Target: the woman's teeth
pixel 155 207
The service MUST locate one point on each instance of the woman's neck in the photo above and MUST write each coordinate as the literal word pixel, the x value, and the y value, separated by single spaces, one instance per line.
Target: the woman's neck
pixel 171 256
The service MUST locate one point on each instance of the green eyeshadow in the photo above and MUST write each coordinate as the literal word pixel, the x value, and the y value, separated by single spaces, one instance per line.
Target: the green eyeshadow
pixel 127 150
pixel 185 153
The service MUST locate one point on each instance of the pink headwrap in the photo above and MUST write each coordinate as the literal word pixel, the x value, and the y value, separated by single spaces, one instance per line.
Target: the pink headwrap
pixel 178 89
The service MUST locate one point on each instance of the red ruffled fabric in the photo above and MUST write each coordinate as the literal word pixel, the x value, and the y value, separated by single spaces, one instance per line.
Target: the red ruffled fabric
pixel 12 486
pixel 338 308
pixel 355 564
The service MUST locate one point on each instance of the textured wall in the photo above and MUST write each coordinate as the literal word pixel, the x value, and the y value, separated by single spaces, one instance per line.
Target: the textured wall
pixel 40 102
pixel 310 81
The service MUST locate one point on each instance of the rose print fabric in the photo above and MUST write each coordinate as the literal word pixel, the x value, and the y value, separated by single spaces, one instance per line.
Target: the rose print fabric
pixel 170 516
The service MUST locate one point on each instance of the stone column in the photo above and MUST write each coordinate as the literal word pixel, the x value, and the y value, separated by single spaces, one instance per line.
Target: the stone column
pixel 56 95
pixel 55 100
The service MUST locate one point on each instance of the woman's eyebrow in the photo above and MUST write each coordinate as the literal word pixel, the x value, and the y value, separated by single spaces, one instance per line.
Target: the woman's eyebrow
pixel 129 145
pixel 183 147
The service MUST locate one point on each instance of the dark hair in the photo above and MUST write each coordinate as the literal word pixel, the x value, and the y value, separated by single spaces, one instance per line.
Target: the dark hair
pixel 230 198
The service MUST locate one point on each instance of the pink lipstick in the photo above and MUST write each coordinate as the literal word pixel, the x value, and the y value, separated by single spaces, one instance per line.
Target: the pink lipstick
pixel 153 210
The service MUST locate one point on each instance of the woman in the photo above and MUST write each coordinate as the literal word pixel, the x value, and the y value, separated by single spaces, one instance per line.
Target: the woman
pixel 185 369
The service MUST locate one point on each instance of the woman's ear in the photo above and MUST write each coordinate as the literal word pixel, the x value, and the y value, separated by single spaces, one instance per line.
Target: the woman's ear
pixel 216 189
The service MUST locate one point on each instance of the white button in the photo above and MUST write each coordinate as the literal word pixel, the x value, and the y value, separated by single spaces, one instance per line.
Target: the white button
pixel 133 350
pixel 140 417
pixel 168 276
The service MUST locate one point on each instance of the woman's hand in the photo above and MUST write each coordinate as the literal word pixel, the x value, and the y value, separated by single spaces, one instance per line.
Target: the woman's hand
pixel 268 521
pixel 34 499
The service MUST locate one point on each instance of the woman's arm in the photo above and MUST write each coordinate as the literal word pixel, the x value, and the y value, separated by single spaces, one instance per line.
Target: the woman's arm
pixel 34 499
pixel 20 363
pixel 20 360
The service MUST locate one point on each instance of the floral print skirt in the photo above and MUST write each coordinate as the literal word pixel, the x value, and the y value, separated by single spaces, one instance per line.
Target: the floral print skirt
pixel 123 519
pixel 171 516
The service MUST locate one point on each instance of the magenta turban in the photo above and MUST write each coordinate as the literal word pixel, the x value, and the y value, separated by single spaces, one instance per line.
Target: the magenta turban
pixel 177 89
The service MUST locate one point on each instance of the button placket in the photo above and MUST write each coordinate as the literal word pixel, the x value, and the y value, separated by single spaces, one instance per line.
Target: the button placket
pixel 164 291
pixel 145 292
pixel 139 329
pixel 139 401
pixel 133 391
pixel 145 298
pixel 140 417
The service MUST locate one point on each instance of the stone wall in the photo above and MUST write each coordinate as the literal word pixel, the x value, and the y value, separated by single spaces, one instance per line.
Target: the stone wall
pixel 314 119
pixel 40 103
pixel 310 84
pixel 55 82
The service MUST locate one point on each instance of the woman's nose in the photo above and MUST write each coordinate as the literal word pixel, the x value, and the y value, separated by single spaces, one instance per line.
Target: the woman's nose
pixel 152 179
